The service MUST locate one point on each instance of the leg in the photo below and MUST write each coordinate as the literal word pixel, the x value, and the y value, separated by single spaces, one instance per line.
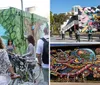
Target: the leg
pixel 89 37
pixel 62 36
pixel 79 38
pixel 76 36
pixel 46 74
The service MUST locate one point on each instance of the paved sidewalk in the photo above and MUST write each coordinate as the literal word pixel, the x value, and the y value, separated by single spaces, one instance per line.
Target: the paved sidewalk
pixel 39 81
pixel 67 39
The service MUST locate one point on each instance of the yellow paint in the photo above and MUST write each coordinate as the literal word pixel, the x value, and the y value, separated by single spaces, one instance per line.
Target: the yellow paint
pixel 76 60
pixel 84 29
pixel 81 9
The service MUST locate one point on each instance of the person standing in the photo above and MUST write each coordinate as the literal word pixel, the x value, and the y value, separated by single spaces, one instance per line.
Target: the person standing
pixel 77 34
pixel 70 33
pixel 89 33
pixel 42 53
pixel 10 47
pixel 63 34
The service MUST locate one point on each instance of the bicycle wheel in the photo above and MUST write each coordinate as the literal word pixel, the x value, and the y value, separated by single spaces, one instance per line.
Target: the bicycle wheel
pixel 17 81
pixel 36 72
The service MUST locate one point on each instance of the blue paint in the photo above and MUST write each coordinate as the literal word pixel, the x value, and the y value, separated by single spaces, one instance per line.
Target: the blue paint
pixel 2 33
pixel 92 54
pixel 33 27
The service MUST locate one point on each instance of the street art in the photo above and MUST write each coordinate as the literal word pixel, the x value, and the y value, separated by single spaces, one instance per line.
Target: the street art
pixel 85 17
pixel 15 25
pixel 74 64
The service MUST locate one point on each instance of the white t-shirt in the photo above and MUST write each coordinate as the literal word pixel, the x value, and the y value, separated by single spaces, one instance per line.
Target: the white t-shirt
pixel 63 32
pixel 39 49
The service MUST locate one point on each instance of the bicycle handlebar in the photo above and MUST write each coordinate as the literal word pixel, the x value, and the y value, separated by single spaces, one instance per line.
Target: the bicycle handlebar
pixel 17 56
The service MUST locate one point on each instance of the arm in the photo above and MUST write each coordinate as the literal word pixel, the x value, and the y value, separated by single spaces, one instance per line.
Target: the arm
pixel 39 52
pixel 30 51
pixel 8 64
pixel 27 54
pixel 39 59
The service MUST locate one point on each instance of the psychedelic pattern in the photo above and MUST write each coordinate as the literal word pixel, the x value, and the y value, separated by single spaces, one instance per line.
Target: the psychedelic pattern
pixel 67 65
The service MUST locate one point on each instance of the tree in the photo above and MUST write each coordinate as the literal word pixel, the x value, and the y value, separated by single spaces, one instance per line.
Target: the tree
pixel 56 20
pixel 51 21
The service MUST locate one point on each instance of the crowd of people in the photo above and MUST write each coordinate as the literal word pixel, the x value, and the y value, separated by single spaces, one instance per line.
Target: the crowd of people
pixel 77 33
pixel 41 53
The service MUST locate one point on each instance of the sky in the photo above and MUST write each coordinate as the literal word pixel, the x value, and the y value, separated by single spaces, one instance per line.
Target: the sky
pixel 63 6
pixel 42 6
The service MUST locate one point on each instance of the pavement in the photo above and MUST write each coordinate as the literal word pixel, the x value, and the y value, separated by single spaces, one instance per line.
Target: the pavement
pixel 74 83
pixel 39 81
pixel 57 38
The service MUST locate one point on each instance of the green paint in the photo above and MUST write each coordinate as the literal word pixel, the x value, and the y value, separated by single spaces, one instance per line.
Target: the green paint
pixel 11 20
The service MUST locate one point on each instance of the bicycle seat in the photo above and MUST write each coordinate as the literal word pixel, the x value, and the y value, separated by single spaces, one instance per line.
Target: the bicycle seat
pixel 15 76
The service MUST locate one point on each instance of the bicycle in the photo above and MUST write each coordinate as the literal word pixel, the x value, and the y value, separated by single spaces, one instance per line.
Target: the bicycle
pixel 28 70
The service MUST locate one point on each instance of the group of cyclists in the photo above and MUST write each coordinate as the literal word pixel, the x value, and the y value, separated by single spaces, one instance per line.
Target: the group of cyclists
pixel 31 53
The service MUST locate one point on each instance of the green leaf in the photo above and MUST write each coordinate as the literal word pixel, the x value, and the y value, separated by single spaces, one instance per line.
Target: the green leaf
pixel 13 35
pixel 5 37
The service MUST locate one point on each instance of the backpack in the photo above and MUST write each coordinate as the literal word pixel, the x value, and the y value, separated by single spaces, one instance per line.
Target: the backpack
pixel 45 55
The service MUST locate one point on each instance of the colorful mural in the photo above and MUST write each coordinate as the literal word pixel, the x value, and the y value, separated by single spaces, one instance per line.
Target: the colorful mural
pixel 86 18
pixel 70 63
pixel 16 24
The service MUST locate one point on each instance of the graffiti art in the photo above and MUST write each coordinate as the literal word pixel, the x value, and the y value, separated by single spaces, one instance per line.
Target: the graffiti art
pixel 15 25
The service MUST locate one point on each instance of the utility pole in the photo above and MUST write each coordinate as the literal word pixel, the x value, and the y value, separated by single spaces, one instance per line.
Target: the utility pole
pixel 22 19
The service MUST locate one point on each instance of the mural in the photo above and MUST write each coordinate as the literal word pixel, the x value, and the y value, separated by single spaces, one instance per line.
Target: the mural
pixel 16 24
pixel 86 17
pixel 74 64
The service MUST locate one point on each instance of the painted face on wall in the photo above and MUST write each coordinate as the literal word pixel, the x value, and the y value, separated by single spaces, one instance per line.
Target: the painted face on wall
pixel 84 18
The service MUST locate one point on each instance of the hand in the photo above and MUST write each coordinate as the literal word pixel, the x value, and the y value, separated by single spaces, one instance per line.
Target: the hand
pixel 39 64
pixel 14 76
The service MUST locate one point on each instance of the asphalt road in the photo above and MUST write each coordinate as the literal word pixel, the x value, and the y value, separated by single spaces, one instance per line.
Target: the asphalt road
pixel 39 81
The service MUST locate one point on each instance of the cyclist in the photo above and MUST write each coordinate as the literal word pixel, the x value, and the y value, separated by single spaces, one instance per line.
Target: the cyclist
pixel 30 54
pixel 5 66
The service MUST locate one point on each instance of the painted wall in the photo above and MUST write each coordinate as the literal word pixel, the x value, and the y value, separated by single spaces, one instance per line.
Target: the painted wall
pixel 86 17
pixel 11 27
pixel 71 61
